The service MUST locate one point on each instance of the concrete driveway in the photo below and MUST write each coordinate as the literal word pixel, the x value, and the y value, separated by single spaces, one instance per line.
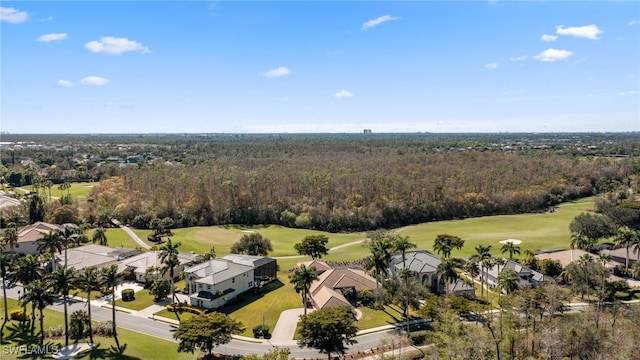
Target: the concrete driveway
pixel 285 328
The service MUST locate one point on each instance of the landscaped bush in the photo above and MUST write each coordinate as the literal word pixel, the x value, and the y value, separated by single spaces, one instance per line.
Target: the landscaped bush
pixel 18 314
pixel 365 297
pixel 261 331
pixel 128 295
pixel 103 328
pixel 185 308
pixel 56 331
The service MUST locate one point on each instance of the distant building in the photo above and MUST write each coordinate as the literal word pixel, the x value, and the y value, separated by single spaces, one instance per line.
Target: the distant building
pixel 529 278
pixel 28 235
pixel 366 131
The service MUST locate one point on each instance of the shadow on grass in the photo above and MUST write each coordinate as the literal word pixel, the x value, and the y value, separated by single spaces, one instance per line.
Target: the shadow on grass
pixel 249 297
pixel 21 333
pixel 111 353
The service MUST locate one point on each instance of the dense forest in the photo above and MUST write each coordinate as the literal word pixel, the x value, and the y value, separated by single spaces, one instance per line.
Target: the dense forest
pixel 328 182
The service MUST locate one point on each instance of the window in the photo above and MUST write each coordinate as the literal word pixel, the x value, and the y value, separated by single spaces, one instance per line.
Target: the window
pixel 199 286
pixel 250 283
pixel 208 287
pixel 233 280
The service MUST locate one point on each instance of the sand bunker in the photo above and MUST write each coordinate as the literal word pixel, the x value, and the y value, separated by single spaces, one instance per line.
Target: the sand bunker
pixel 513 241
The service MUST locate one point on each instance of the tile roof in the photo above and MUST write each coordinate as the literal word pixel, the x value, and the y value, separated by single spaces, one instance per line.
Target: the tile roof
pixel 344 278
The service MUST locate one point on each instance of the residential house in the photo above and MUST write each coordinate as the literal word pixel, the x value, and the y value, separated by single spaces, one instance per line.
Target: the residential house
pixel 213 283
pixel 28 235
pixel 566 257
pixel 99 256
pixel 529 278
pixel 138 264
pixel 424 265
pixel 336 284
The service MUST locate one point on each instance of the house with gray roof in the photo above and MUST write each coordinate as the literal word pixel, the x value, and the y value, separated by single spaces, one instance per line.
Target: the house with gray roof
pixel 213 283
pixel 529 278
pixel 423 265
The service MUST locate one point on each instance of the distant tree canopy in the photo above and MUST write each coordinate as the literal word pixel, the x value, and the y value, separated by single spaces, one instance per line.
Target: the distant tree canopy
pixel 313 245
pixel 252 244
pixel 327 182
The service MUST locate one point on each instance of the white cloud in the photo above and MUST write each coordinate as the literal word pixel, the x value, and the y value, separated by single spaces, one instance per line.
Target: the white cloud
pixel 13 16
pixel 52 37
pixel 518 58
pixel 342 94
pixel 546 37
pixel 587 32
pixel 623 93
pixel 64 83
pixel 94 80
pixel 633 22
pixel 551 55
pixel 277 72
pixel 115 46
pixel 377 21
pixel 491 66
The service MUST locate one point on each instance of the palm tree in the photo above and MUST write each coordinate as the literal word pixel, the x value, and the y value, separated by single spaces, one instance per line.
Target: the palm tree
pixel 446 272
pixel 302 278
pixel 508 280
pixel 111 278
pixel 169 257
pixel 444 243
pixel 511 248
pixel 211 254
pixel 10 237
pixel 28 270
pixel 60 280
pixel 381 254
pixel 79 319
pixel 472 267
pixel 68 234
pixel 403 244
pixel 6 273
pixel 39 294
pixel 99 236
pixel 482 253
pixel 89 280
pixel 487 264
pixel 580 241
pixel 50 243
pixel 626 238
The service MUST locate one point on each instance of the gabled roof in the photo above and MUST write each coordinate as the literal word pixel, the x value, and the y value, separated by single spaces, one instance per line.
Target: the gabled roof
pixel 144 260
pixel 522 271
pixel 320 266
pixel 343 278
pixel 420 261
pixel 459 285
pixel 326 297
pixel 35 231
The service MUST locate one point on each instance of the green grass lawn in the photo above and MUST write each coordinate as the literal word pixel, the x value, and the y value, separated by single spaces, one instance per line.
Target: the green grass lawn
pixel 172 315
pixel 116 238
pixel 373 318
pixel 199 239
pixel 77 190
pixel 138 346
pixel 142 301
pixel 537 231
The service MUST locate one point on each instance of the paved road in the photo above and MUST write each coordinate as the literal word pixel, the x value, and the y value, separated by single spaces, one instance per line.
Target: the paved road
pixel 164 331
pixel 132 235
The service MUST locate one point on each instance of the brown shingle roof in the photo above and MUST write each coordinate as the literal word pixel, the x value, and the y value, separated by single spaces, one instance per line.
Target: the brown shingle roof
pixel 344 278
pixel 326 297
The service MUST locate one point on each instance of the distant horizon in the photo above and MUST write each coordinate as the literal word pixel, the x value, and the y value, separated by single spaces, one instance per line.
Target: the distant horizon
pixel 320 67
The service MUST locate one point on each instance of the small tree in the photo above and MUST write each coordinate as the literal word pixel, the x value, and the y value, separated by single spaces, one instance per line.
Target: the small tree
pixel 160 288
pixel 252 244
pixel 79 322
pixel 327 330
pixel 100 236
pixel 206 331
pixel 313 245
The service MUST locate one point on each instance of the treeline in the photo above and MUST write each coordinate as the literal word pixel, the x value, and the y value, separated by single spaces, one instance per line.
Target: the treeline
pixel 338 188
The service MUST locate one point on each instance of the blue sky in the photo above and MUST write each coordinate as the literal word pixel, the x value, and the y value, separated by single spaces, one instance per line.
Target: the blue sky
pixel 299 66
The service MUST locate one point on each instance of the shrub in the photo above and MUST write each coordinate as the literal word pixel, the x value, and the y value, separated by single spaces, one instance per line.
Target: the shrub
pixel 56 331
pixel 18 314
pixel 184 308
pixel 103 328
pixel 128 295
pixel 261 330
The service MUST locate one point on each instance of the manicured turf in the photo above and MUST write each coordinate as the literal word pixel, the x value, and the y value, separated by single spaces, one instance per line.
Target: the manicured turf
pixel 537 231
pixel 77 190
pixel 138 346
pixel 116 238
pixel 199 239
pixel 142 301
pixel 373 318
pixel 172 315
